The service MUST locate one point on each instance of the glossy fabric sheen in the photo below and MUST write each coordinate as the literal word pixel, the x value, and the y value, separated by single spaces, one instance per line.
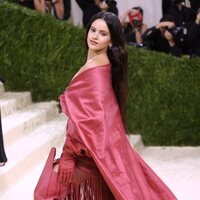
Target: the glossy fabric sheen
pixel 94 120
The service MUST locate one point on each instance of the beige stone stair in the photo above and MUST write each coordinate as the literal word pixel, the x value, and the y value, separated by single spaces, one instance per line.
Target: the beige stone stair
pixel 13 101
pixel 30 150
pixel 1 88
pixel 136 142
pixel 29 131
pixel 23 121
pixel 25 186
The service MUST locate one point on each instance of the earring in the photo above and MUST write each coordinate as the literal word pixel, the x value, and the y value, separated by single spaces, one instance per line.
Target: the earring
pixel 110 46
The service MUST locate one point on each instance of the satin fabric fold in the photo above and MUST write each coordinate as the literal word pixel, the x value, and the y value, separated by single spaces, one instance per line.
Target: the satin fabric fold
pixel 95 121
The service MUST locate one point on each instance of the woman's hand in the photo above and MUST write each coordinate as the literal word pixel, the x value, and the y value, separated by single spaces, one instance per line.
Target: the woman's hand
pixel 66 172
pixel 198 19
pixel 103 5
pixel 169 25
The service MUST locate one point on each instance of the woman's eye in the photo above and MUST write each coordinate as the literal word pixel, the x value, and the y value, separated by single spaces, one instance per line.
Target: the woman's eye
pixel 103 34
pixel 92 30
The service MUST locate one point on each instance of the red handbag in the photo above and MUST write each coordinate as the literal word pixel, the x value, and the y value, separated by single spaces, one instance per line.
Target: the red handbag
pixel 48 187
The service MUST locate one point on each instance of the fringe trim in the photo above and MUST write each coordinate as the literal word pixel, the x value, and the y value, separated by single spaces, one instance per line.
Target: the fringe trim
pixel 88 183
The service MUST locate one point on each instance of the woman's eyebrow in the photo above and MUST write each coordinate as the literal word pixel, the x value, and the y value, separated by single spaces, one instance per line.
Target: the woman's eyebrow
pixel 101 30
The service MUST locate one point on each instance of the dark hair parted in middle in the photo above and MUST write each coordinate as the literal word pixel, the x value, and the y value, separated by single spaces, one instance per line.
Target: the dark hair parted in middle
pixel 117 55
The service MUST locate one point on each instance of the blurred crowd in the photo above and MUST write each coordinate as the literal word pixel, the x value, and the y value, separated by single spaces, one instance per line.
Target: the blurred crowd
pixel 60 9
pixel 176 33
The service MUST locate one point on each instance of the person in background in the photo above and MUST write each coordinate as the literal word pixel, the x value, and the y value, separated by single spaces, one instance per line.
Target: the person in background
pixel 193 37
pixel 92 7
pixel 98 161
pixel 133 26
pixel 53 7
pixel 164 37
pixel 3 158
pixel 166 4
pixel 27 3
pixel 195 5
pixel 67 9
pixel 183 17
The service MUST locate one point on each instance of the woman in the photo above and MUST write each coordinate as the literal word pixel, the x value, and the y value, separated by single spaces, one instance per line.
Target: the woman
pixel 164 37
pixel 97 161
pixel 134 27
pixel 92 7
pixel 54 7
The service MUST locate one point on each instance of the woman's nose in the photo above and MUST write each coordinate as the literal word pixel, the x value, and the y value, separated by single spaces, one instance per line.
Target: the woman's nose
pixel 95 35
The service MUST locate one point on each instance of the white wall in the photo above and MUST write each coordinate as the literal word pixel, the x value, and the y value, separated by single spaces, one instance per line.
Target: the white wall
pixel 76 13
pixel 152 10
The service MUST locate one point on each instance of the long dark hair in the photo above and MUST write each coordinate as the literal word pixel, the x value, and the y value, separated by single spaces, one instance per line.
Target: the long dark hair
pixel 117 55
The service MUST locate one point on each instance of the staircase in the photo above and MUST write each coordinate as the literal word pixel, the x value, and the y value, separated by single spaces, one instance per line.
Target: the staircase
pixel 30 130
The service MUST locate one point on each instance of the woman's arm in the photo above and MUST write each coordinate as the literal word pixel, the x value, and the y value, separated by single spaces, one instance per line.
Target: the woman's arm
pixel 123 17
pixel 139 32
pixel 40 5
pixel 59 8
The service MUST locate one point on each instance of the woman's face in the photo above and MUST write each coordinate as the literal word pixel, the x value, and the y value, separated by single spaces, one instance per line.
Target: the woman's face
pixel 98 37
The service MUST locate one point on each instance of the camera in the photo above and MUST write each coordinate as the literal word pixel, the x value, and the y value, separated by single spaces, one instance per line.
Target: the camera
pixel 136 23
pixel 177 31
pixel 136 20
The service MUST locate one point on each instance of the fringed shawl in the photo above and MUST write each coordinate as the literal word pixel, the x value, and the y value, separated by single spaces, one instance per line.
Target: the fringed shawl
pixel 90 103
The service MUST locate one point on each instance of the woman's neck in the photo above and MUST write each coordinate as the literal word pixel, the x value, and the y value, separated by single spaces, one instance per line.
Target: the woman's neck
pixel 95 55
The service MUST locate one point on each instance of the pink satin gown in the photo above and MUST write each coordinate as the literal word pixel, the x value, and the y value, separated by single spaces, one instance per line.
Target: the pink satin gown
pixel 101 164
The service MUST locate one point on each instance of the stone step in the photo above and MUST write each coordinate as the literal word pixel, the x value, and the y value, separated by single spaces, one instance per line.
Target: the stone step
pixel 178 167
pixel 23 121
pixel 31 181
pixel 136 141
pixel 1 88
pixel 29 151
pixel 27 180
pixel 13 101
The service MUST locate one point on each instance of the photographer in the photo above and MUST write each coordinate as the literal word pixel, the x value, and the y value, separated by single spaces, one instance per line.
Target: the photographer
pixel 193 37
pixel 134 27
pixel 163 37
pixel 54 7
pixel 91 7
pixel 183 17
pixel 60 9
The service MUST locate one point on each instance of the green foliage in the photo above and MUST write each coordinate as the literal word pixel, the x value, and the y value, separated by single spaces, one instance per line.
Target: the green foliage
pixel 40 54
pixel 164 96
